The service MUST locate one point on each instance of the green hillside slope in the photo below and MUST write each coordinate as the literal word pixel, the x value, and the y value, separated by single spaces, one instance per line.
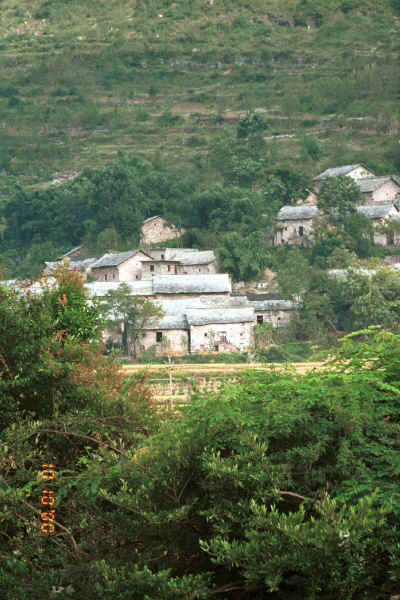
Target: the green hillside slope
pixel 256 96
pixel 81 80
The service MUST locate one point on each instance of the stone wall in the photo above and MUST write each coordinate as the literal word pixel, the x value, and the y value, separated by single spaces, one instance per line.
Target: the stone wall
pixel 293 231
pixel 173 340
pixel 221 337
pixel 156 230
pixel 385 194
pixel 106 274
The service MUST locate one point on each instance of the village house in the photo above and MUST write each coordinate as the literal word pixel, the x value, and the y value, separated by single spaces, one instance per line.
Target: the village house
pixel 295 224
pixel 156 229
pixel 191 285
pixel 182 261
pixel 122 266
pixel 381 215
pixel 278 312
pixel 356 172
pixel 220 329
pixel 379 190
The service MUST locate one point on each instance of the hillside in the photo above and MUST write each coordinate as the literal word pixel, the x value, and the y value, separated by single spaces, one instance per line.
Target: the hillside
pixel 213 114
pixel 82 80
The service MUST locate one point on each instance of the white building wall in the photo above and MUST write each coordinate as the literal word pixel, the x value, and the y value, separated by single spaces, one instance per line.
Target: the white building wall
pixel 290 231
pixel 160 268
pixel 359 173
pixel 156 230
pixel 131 269
pixel 173 340
pixel 385 194
pixel 277 318
pixel 221 337
pixel 195 269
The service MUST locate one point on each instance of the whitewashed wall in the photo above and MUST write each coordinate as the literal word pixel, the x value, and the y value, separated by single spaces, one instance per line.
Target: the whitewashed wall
pixel 204 338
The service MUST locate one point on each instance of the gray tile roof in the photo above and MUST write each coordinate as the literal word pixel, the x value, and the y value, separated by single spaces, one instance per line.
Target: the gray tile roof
pixel 176 309
pixel 370 184
pixel 72 251
pixel 297 213
pixel 193 258
pixel 273 305
pixel 205 316
pixel 113 260
pixel 168 321
pixel 100 288
pixel 375 211
pixel 73 264
pixel 192 284
pixel 336 171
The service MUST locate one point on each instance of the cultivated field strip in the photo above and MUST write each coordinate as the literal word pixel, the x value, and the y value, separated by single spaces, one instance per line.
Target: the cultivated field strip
pixel 172 385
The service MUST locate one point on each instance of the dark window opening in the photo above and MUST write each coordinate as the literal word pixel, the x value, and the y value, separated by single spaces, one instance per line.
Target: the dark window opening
pixel 176 269
pixel 301 230
pixel 162 256
pixel 159 336
pixel 260 319
pixel 151 267
pixel 105 277
pixel 169 267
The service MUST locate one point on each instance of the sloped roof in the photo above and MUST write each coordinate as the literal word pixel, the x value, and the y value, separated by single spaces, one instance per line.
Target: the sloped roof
pixel 153 218
pixel 100 288
pixel 175 309
pixel 206 316
pixel 266 305
pixel 297 213
pixel 194 258
pixel 375 211
pixel 192 284
pixel 168 321
pixel 113 260
pixel 72 251
pixel 370 184
pixel 336 171
pixel 73 264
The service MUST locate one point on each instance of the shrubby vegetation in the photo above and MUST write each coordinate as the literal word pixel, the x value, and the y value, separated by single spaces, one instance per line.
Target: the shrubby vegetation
pixel 279 485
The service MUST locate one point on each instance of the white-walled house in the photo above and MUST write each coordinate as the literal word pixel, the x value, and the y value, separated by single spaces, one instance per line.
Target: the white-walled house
pixel 356 172
pixel 121 266
pixel 295 224
pixel 379 190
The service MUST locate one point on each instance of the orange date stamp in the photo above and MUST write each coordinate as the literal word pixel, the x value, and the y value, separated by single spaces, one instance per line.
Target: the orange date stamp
pixel 47 500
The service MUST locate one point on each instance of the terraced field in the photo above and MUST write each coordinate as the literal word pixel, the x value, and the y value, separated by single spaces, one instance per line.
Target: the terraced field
pixel 172 385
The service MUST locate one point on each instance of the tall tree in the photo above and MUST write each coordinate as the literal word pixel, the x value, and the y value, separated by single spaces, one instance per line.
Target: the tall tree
pixel 127 314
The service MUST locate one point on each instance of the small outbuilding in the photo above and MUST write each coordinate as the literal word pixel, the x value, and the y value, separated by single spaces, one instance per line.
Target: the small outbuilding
pixel 156 229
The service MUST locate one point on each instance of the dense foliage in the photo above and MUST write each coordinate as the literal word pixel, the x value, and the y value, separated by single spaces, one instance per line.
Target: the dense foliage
pixel 279 486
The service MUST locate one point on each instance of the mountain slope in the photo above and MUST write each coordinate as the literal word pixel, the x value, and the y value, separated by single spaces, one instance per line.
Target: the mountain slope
pixel 83 80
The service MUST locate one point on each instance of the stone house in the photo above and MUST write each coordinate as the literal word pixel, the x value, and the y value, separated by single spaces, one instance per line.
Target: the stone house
pixel 196 261
pixel 181 261
pixel 277 312
pixel 168 334
pixel 122 266
pixel 220 329
pixel 379 190
pixel 295 224
pixel 160 267
pixel 356 172
pixel 381 215
pixel 165 286
pixel 156 229
pixel 200 324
